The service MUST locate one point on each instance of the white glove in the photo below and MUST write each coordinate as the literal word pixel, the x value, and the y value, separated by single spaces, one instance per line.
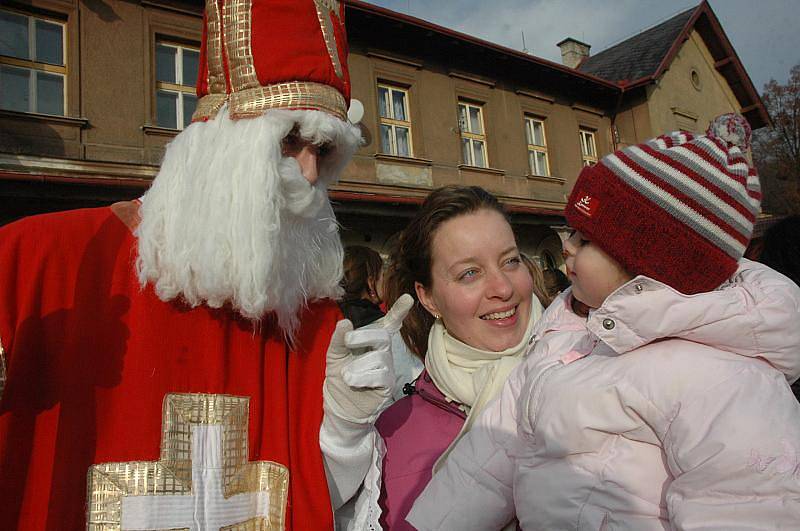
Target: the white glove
pixel 358 387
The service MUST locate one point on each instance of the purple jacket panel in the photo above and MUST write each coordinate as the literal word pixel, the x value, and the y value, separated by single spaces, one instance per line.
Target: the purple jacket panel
pixel 416 430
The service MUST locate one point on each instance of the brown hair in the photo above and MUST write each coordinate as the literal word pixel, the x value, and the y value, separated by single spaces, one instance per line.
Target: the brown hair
pixel 362 269
pixel 410 259
pixel 554 282
pixel 538 280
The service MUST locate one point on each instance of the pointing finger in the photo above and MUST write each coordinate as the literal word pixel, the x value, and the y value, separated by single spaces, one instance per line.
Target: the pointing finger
pixel 393 320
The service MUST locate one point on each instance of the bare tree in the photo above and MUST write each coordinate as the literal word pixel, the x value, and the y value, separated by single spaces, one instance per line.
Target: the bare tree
pixel 776 150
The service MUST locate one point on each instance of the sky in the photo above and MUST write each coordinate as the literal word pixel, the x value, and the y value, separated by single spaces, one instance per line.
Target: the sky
pixel 764 33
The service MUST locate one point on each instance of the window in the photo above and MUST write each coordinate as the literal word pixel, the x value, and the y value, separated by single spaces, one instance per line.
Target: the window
pixel 473 138
pixel 32 64
pixel 395 121
pixel 588 148
pixel 176 78
pixel 537 146
pixel 696 82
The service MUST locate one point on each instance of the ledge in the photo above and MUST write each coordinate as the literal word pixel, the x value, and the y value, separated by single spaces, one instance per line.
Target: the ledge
pixel 47 118
pixel 394 59
pixel 589 110
pixel 469 77
pixel 32 167
pixel 160 131
pixel 685 113
pixel 546 179
pixel 478 169
pixel 174 6
pixel 536 96
pixel 403 160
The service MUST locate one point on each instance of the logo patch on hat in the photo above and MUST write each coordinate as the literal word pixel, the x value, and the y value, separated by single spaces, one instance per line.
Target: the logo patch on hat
pixel 587 205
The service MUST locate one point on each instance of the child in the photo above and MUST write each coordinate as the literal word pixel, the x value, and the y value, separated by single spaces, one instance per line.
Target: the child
pixel 656 396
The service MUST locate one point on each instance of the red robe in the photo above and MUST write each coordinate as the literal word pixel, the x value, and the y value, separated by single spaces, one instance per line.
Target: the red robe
pixel 90 357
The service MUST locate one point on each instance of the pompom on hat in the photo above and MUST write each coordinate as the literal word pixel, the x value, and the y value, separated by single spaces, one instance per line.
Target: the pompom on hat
pixel 732 129
pixel 679 208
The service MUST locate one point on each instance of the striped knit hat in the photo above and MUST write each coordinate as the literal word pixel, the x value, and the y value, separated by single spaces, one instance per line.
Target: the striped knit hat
pixel 679 208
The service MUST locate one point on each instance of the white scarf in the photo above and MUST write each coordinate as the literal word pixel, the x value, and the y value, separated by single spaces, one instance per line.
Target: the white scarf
pixel 470 376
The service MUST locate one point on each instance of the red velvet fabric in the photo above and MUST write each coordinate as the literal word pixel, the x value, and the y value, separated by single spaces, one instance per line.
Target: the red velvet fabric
pixel 90 357
pixel 288 45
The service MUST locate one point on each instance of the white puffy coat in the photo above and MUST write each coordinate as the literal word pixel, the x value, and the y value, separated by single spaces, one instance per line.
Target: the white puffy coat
pixel 661 411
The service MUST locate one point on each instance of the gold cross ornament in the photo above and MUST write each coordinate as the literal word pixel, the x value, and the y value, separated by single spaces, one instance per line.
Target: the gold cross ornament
pixel 203 475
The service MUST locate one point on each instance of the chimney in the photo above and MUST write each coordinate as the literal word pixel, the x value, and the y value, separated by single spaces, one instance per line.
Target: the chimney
pixel 573 52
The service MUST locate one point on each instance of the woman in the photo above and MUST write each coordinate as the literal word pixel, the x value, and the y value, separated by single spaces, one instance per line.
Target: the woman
pixel 666 405
pixel 471 324
pixel 362 285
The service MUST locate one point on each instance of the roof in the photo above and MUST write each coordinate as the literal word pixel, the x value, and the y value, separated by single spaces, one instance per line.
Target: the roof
pixel 639 56
pixel 643 58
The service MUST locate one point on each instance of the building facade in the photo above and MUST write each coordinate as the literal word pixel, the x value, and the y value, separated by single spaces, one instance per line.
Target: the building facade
pixel 92 91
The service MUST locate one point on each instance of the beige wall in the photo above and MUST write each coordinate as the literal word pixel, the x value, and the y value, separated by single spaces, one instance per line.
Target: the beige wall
pixel 632 123
pixel 434 93
pixel 113 90
pixel 110 84
pixel 674 102
pixel 110 111
pixel 109 133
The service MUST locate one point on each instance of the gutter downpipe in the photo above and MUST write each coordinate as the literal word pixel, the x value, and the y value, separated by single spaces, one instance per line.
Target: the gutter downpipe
pixel 614 131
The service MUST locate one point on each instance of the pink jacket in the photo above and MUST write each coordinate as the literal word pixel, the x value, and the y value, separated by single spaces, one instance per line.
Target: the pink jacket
pixel 662 411
pixel 416 430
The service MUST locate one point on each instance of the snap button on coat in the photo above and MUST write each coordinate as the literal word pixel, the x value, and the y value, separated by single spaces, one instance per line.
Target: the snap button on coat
pixel 609 324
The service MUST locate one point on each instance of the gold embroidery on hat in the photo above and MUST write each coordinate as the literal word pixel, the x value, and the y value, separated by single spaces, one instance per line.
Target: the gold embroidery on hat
pixel 2 370
pixel 292 95
pixel 238 24
pixel 324 9
pixel 208 106
pixel 216 72
pixel 172 475
pixel 247 98
pixel 211 103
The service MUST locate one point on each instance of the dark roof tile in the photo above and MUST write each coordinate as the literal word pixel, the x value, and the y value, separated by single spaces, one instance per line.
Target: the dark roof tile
pixel 638 56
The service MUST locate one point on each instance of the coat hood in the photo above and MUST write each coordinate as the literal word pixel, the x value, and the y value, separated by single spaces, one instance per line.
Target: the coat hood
pixel 756 313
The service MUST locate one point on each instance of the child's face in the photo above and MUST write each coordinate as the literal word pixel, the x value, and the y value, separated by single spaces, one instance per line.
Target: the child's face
pixel 594 274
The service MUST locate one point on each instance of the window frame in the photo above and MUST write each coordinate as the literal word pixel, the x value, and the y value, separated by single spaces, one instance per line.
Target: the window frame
pixel 392 122
pixel 528 120
pixel 588 159
pixel 173 88
pixel 38 66
pixel 470 135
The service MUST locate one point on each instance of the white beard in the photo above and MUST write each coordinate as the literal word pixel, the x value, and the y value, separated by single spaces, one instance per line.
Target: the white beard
pixel 229 220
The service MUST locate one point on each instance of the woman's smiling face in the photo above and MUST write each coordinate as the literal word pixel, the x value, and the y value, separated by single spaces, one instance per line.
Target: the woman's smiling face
pixel 479 286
